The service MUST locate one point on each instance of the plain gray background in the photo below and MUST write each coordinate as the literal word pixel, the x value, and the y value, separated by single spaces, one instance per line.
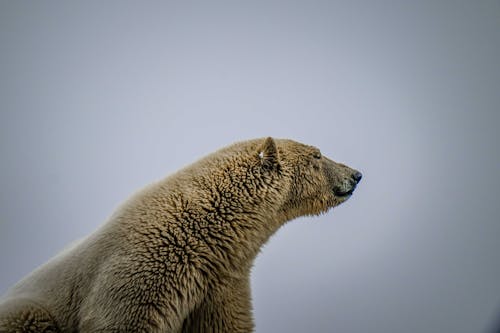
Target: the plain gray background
pixel 97 99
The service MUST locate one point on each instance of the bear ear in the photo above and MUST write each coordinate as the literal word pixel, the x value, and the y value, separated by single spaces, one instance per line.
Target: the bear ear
pixel 268 154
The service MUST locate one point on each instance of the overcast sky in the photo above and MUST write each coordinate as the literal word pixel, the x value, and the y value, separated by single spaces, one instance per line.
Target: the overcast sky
pixel 98 99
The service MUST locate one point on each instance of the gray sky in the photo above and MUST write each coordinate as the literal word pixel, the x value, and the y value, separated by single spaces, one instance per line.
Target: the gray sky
pixel 97 99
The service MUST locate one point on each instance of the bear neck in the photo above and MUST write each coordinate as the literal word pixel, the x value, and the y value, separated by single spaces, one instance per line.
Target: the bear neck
pixel 220 236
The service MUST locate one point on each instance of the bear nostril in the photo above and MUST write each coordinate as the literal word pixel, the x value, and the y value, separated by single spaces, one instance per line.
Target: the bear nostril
pixel 357 176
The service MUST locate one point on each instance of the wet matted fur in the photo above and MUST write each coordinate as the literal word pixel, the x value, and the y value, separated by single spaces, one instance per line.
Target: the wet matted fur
pixel 176 256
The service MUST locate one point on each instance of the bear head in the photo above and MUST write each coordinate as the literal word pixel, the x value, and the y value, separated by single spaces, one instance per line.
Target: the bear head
pixel 309 183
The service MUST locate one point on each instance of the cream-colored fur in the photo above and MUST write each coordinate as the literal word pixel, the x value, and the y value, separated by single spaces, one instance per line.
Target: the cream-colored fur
pixel 176 257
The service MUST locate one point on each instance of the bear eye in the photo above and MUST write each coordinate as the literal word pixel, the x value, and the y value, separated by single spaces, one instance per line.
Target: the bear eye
pixel 317 155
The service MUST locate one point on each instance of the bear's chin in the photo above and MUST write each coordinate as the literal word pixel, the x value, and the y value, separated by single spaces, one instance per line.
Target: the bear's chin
pixel 341 199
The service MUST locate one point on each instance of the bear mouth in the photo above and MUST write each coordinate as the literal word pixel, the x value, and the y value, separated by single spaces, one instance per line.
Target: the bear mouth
pixel 344 193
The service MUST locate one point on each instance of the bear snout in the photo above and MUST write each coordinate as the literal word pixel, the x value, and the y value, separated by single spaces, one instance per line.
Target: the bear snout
pixel 347 186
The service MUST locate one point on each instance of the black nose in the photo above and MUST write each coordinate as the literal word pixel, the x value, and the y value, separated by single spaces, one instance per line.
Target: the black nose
pixel 357 176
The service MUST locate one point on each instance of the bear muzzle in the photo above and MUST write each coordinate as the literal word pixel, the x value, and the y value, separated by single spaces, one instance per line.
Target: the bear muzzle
pixel 348 185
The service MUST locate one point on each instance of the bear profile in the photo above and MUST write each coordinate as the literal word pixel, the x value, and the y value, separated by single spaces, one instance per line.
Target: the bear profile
pixel 176 256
